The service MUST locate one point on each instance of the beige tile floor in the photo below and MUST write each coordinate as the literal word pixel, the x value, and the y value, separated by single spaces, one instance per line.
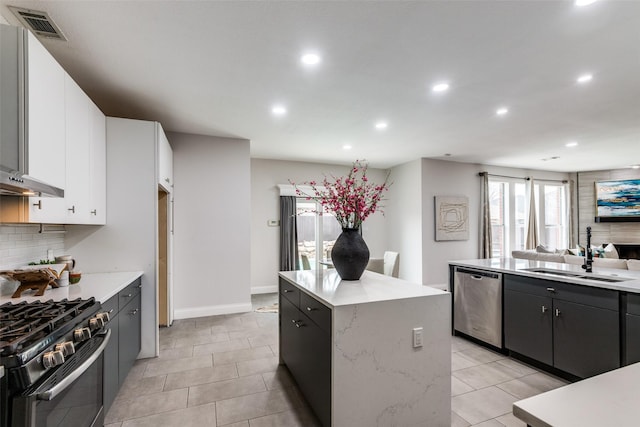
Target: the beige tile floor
pixel 223 371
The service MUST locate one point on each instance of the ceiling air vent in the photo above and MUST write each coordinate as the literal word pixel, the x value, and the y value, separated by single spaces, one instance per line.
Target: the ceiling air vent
pixel 39 22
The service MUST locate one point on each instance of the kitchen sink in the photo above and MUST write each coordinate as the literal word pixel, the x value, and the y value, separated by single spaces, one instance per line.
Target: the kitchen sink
pixel 575 275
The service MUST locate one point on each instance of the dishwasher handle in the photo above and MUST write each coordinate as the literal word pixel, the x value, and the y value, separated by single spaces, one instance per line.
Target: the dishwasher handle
pixel 477 274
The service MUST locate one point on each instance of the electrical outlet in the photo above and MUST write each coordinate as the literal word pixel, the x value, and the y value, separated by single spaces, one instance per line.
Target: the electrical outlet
pixel 417 337
pixel 273 223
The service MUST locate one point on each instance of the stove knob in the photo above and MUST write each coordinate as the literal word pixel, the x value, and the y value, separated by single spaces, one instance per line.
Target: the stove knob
pixel 52 358
pixel 81 334
pixel 67 348
pixel 96 323
pixel 104 316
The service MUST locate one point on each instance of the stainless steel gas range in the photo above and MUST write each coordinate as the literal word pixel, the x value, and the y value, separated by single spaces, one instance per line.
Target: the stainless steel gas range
pixel 52 353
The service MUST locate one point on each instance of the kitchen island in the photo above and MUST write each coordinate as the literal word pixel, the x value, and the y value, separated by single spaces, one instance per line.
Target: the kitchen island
pixel 350 347
pixel 556 316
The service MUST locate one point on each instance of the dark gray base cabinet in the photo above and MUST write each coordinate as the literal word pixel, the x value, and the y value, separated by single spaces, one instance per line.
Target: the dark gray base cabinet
pixel 124 345
pixel 632 329
pixel 573 328
pixel 305 347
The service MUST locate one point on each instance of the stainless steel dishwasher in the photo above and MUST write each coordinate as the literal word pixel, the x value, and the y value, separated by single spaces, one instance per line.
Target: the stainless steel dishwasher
pixel 477 304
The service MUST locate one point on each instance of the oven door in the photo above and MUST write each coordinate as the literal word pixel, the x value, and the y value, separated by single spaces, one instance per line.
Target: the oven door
pixel 71 396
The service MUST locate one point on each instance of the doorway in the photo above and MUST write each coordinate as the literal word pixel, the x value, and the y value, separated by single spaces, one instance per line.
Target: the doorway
pixel 164 289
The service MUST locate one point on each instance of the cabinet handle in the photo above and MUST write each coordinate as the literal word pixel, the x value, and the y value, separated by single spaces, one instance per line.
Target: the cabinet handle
pixel 127 296
pixel 551 289
pixel 139 286
pixel 94 212
pixel 134 312
pixel 110 311
pixel 293 321
pixel 544 309
pixel 299 324
pixel 39 204
pixel 72 209
pixel 311 309
pixel 286 291
pixel 558 313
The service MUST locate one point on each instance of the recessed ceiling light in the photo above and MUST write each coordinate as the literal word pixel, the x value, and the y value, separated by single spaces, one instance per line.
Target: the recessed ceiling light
pixel 635 166
pixel 346 147
pixel 502 111
pixel 581 3
pixel 381 125
pixel 585 78
pixel 278 110
pixel 310 59
pixel 571 144
pixel 440 87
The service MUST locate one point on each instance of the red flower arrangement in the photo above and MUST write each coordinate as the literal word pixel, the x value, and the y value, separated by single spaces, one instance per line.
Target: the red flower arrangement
pixel 351 199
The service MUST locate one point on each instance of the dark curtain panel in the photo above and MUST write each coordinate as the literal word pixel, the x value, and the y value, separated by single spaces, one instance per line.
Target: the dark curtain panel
pixel 288 234
pixel 485 229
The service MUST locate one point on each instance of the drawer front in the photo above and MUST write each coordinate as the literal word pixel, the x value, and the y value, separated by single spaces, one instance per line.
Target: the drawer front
pixel 126 295
pixel 633 304
pixel 290 292
pixel 111 306
pixel 587 295
pixel 316 311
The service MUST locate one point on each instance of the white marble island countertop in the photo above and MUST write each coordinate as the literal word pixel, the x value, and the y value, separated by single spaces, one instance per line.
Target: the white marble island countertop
pixel 630 279
pixel 609 399
pixel 328 287
pixel 100 286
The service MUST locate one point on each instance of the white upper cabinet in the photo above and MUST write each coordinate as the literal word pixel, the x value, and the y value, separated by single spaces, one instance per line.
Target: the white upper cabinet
pixel 66 145
pixel 76 193
pixel 98 165
pixel 46 115
pixel 165 161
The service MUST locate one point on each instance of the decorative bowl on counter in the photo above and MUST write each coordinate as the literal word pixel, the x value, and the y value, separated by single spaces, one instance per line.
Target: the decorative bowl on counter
pixel 74 277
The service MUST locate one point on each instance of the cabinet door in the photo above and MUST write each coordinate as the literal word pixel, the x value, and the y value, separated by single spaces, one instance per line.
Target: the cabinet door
pixel 632 339
pixel 586 339
pixel 111 383
pixel 528 325
pixel 129 337
pixel 165 161
pixel 76 192
pixel 46 119
pixel 98 162
pixel 290 346
pixel 46 210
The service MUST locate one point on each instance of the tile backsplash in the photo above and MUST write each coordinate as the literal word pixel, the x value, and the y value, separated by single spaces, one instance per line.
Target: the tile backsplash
pixel 21 244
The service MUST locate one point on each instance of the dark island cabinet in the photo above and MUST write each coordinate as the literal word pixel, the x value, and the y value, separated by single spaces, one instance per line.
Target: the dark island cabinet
pixel 573 328
pixel 305 347
pixel 124 345
pixel 632 332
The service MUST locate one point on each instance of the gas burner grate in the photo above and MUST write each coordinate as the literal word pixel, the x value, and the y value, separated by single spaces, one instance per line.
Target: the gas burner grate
pixel 25 324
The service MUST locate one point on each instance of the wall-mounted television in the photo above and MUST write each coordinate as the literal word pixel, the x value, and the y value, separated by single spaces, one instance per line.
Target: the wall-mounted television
pixel 618 200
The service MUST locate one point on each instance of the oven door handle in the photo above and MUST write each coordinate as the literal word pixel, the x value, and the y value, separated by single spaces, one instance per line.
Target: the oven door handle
pixel 53 392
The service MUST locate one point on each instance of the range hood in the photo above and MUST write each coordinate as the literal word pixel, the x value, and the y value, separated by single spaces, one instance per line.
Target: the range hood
pixel 14 168
pixel 14 183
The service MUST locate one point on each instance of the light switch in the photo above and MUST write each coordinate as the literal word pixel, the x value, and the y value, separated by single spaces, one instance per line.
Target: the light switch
pixel 273 223
pixel 417 337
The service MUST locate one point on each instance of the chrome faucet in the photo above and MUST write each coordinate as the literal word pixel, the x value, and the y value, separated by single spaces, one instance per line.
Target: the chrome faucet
pixel 588 259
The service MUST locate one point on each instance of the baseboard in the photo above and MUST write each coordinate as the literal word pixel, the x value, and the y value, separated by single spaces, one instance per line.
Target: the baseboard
pixel 213 310
pixel 264 289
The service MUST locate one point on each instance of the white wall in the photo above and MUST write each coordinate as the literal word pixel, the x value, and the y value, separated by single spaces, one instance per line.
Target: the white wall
pixel 265 240
pixel 404 219
pixel 2 20
pixel 212 205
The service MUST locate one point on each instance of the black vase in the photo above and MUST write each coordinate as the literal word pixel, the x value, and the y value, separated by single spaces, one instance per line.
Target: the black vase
pixel 350 254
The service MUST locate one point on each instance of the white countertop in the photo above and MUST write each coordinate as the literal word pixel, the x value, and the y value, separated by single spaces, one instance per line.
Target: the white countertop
pixel 517 266
pixel 100 286
pixel 609 399
pixel 327 286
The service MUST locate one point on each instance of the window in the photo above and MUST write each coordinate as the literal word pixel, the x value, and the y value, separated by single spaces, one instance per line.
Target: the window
pixel 317 233
pixel 509 206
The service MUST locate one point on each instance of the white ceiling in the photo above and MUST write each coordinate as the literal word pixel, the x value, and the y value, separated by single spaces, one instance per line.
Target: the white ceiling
pixel 217 67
